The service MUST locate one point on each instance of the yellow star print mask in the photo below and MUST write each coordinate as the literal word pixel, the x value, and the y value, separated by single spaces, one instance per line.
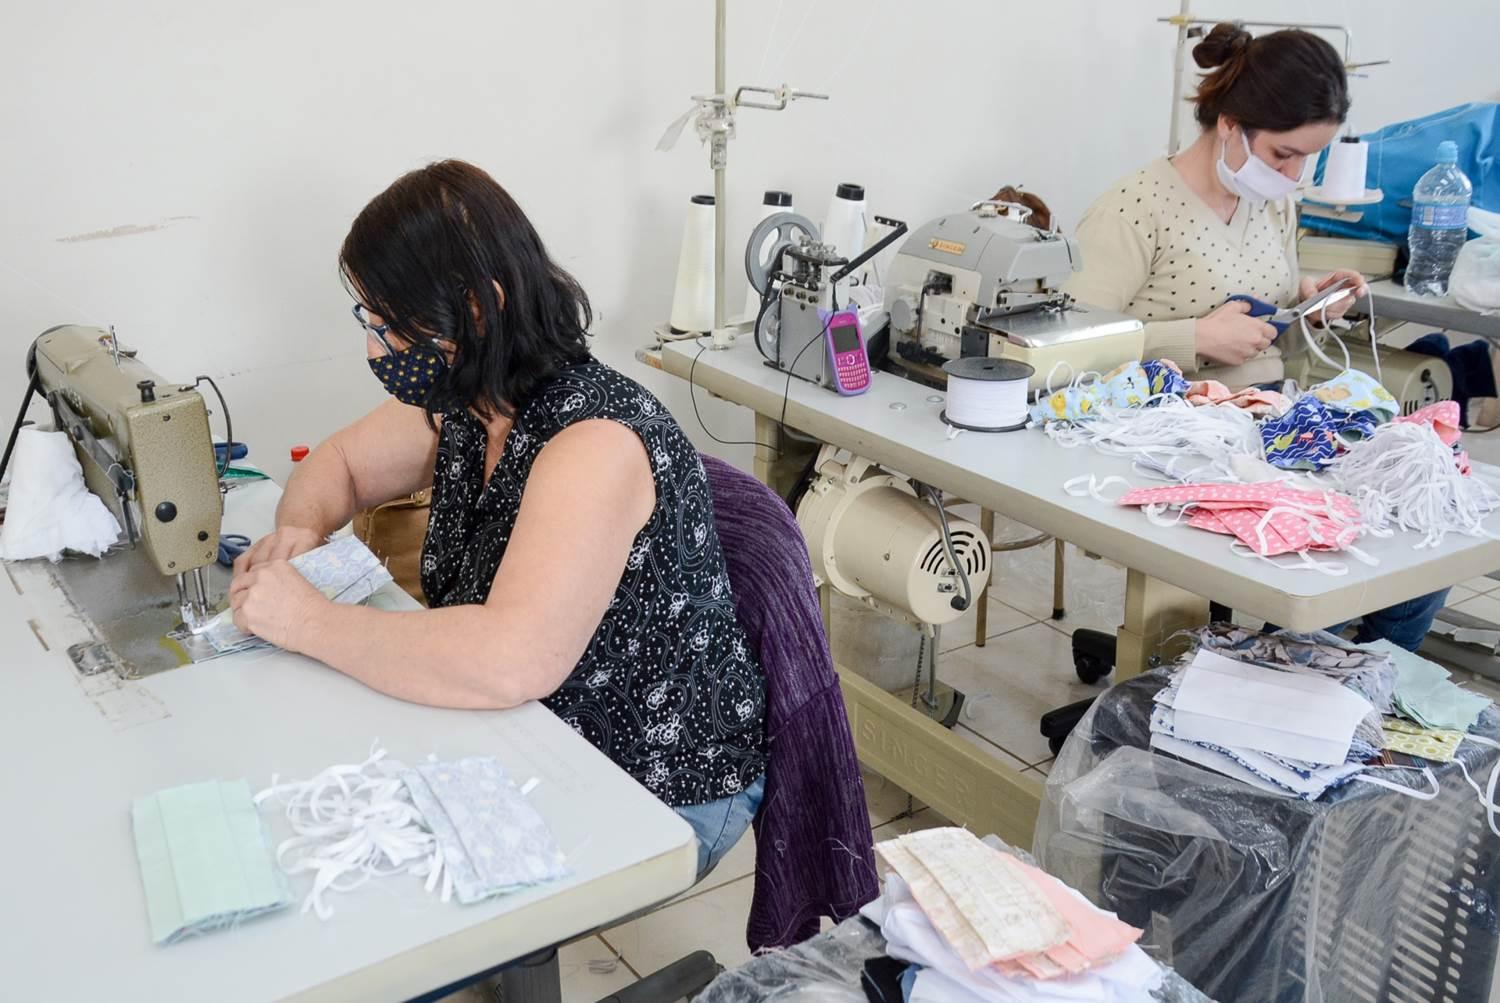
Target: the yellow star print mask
pixel 409 376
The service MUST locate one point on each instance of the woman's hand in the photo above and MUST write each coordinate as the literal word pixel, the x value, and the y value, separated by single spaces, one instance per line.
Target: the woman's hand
pixel 1229 337
pixel 282 545
pixel 1310 287
pixel 275 603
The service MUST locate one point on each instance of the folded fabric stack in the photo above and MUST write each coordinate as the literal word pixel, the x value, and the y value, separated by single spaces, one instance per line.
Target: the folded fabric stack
pixel 979 924
pixel 1269 517
pixel 1295 729
pixel 1426 695
pixel 344 570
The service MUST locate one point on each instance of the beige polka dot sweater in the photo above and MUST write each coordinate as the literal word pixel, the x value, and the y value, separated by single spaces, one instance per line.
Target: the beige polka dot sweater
pixel 1153 249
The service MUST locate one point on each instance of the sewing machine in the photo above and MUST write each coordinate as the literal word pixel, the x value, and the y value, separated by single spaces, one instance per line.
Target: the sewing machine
pixel 985 283
pixel 146 451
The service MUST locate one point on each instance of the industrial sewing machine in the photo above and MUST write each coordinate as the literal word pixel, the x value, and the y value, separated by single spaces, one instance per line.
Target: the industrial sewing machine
pixel 147 452
pixel 985 283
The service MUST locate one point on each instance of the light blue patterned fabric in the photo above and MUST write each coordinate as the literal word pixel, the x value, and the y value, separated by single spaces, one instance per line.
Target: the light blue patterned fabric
pixel 1132 384
pixel 492 839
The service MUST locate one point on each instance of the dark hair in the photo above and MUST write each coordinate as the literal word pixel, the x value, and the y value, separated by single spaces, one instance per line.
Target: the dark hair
pixel 1279 82
pixel 430 248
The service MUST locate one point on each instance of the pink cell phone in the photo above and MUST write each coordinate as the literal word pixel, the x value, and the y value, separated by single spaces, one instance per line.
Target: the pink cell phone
pixel 848 361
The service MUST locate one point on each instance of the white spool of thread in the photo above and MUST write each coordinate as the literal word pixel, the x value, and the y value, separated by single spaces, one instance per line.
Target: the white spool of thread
pixel 773 203
pixel 1344 174
pixel 693 299
pixel 987 395
pixel 844 226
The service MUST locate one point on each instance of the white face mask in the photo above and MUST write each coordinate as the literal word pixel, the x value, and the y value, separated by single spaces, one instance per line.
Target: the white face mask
pixel 1257 180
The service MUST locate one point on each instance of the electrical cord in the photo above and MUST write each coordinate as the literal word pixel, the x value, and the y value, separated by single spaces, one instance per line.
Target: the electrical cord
pixel 228 424
pixel 32 386
pixel 963 577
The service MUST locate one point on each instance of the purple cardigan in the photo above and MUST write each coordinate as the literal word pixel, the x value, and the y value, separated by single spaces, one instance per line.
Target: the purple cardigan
pixel 813 845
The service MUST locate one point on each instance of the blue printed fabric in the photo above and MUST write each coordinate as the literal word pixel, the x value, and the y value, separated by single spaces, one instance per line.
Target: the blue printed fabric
pixel 1164 379
pixel 1307 436
pixel 492 839
pixel 1132 384
pixel 1353 391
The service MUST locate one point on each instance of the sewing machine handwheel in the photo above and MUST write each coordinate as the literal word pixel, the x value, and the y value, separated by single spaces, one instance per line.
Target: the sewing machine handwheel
pixel 786 228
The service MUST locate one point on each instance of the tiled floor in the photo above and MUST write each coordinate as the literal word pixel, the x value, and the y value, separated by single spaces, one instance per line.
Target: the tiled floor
pixel 1024 669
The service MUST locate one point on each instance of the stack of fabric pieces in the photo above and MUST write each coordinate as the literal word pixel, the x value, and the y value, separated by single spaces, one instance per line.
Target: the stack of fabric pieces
pixel 978 924
pixel 1268 517
pixel 1325 420
pixel 1289 714
pixel 1435 713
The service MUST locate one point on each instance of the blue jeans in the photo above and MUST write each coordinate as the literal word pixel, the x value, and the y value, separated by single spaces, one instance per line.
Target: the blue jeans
pixel 720 824
pixel 1404 624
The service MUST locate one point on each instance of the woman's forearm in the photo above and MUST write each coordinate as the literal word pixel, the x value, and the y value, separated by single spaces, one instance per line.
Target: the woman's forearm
pixel 461 656
pixel 319 495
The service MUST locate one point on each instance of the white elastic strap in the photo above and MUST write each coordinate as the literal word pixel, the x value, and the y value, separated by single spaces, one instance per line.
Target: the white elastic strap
pixel 1402 788
pixel 1486 797
pixel 1333 569
pixel 1316 348
pixel 1053 372
pixel 1090 486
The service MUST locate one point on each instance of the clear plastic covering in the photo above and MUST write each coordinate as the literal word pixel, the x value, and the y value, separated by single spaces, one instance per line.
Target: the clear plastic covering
pixel 1366 894
pixel 827 969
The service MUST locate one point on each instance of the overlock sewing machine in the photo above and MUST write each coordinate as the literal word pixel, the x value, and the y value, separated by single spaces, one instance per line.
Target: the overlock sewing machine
pixel 985 283
pixel 147 452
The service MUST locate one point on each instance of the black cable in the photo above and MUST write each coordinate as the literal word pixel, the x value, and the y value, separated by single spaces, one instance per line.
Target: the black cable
pixel 694 398
pixel 32 387
pixel 228 425
pixel 786 394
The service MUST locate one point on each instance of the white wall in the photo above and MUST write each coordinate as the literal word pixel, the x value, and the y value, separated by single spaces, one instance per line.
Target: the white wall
pixel 228 146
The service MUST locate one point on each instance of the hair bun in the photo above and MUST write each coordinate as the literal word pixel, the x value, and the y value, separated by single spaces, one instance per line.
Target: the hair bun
pixel 1224 44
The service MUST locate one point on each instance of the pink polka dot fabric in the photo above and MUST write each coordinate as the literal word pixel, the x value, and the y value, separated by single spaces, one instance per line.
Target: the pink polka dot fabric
pixel 1443 417
pixel 1269 518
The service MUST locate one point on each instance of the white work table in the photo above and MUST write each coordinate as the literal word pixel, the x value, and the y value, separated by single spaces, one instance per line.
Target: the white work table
pixel 80 749
pixel 1393 302
pixel 1173 574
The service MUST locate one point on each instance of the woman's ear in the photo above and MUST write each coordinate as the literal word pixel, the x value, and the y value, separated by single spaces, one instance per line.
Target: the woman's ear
pixel 499 293
pixel 1226 128
pixel 474 300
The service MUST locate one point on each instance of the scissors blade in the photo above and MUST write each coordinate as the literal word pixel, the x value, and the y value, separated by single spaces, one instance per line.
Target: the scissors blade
pixel 1340 290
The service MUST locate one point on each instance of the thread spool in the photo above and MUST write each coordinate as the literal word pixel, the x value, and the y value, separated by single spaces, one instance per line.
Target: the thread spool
pixel 773 203
pixel 693 298
pixel 987 395
pixel 844 225
pixel 1344 173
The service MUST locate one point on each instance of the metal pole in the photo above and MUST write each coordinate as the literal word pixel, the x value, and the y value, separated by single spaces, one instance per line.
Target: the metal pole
pixel 1184 14
pixel 720 157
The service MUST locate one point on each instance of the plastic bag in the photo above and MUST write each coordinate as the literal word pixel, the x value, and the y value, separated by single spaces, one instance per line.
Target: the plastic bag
pixel 1475 281
pixel 1229 881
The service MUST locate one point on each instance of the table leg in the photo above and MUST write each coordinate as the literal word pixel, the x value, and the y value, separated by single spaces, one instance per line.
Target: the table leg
pixel 1154 611
pixel 779 459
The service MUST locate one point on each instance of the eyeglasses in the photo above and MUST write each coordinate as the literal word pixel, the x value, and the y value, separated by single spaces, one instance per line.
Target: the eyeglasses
pixel 378 330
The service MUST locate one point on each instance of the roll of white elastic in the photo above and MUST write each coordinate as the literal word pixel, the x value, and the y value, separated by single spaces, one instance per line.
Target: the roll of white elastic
pixel 987 395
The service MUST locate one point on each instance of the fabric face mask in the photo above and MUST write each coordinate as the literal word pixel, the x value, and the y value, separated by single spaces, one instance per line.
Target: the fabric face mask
pixel 409 376
pixel 1133 384
pixel 1257 180
pixel 1353 391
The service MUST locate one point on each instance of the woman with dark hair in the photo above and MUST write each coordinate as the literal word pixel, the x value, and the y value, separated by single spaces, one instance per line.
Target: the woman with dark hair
pixel 571 555
pixel 1172 242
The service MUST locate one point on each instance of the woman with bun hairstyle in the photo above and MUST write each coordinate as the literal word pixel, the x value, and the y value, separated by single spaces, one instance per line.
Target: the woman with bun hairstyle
pixel 1172 242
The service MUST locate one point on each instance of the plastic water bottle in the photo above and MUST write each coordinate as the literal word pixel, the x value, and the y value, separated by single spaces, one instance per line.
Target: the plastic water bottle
pixel 1439 223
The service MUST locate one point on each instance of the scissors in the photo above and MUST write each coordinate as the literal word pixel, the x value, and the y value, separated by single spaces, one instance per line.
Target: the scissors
pixel 1281 319
pixel 232 545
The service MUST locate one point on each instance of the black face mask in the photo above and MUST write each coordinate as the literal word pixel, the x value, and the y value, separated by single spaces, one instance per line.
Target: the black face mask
pixel 409 376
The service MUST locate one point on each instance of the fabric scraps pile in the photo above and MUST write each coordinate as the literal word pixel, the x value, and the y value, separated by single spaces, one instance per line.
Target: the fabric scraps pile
pixel 1289 730
pixel 1302 714
pixel 1326 419
pixel 1259 403
pixel 979 924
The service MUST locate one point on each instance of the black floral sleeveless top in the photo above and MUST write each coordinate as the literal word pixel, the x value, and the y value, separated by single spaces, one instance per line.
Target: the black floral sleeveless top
pixel 667 687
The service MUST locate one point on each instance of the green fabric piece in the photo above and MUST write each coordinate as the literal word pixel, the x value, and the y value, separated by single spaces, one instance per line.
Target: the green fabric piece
pixel 205 859
pixel 1425 694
